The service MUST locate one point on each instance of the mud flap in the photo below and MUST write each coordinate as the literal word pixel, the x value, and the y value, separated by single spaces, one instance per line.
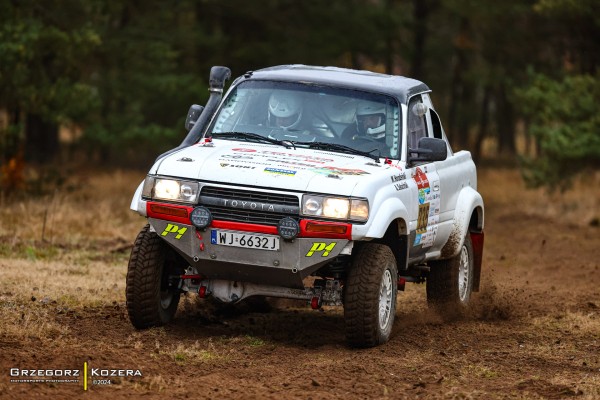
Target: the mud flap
pixel 477 241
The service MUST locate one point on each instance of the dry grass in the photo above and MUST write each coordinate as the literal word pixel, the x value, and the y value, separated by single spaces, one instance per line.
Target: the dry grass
pixel 20 322
pixel 579 205
pixel 65 251
pixel 97 209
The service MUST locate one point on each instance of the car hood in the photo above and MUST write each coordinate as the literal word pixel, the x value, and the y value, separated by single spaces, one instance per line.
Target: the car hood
pixel 272 166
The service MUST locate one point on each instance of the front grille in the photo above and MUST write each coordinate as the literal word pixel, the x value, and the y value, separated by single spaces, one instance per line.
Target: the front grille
pixel 226 193
pixel 247 206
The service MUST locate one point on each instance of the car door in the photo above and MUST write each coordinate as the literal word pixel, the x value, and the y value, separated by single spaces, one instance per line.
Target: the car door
pixel 449 179
pixel 425 185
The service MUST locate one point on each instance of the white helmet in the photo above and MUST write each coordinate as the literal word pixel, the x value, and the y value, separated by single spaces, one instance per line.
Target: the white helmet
pixel 285 109
pixel 370 119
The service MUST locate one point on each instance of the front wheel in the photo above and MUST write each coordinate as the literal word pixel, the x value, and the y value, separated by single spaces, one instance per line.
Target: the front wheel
pixel 370 296
pixel 150 300
pixel 450 282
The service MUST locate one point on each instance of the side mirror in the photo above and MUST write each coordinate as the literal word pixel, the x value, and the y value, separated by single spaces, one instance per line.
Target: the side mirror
pixel 192 116
pixel 429 150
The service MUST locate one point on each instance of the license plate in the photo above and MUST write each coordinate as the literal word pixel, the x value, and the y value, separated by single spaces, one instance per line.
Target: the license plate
pixel 248 241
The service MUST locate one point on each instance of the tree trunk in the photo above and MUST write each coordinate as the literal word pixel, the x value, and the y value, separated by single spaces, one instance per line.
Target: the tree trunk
pixel 458 91
pixel 505 119
pixel 483 123
pixel 420 14
pixel 41 139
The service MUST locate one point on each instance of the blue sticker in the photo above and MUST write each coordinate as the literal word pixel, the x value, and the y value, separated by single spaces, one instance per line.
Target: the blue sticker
pixel 213 237
pixel 417 240
pixel 280 171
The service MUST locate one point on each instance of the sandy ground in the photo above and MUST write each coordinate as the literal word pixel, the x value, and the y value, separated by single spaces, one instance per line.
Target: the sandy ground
pixel 533 331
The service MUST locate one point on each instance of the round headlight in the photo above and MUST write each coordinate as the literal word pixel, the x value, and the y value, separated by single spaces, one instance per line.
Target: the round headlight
pixel 312 205
pixel 201 217
pixel 288 228
pixel 187 192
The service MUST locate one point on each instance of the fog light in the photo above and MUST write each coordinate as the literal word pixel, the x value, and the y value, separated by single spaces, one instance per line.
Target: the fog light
pixel 201 217
pixel 288 228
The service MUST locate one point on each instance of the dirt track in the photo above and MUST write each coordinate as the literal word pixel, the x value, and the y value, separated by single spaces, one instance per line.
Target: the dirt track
pixel 533 332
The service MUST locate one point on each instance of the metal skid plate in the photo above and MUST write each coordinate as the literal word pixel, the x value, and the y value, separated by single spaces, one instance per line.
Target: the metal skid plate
pixel 288 266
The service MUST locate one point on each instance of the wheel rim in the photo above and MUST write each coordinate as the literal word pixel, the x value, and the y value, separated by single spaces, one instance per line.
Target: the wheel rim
pixel 385 299
pixel 166 298
pixel 464 275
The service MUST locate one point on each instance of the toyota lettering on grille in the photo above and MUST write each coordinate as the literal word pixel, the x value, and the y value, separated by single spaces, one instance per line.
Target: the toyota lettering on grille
pixel 248 205
pixel 243 204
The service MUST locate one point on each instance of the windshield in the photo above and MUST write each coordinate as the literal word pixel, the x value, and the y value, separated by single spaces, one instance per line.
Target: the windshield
pixel 302 114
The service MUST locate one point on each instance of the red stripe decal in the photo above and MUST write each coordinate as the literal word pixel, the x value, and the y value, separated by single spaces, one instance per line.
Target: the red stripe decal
pixel 244 227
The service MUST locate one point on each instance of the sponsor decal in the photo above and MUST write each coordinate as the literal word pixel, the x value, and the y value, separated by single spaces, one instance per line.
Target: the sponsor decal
pixel 321 247
pixel 280 171
pixel 421 179
pixel 423 218
pixel 306 157
pixel 397 166
pixel 429 208
pixel 227 165
pixel 237 157
pixel 172 228
pixel 281 156
pixel 339 171
pixel 293 163
pixel 423 195
pixel 399 177
pixel 426 239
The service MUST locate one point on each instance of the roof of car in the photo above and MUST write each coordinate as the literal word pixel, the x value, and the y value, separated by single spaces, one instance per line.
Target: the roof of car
pixel 398 86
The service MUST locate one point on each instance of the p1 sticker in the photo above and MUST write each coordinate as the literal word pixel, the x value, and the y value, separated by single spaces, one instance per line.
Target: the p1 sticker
pixel 172 228
pixel 321 247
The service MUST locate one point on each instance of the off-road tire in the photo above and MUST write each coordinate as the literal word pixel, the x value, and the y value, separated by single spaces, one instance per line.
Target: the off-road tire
pixel 149 302
pixel 370 296
pixel 450 282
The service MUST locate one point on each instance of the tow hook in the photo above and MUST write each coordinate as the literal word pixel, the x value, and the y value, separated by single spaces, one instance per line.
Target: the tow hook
pixel 202 292
pixel 315 302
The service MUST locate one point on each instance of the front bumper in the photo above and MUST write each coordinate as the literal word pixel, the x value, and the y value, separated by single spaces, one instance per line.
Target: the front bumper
pixel 294 261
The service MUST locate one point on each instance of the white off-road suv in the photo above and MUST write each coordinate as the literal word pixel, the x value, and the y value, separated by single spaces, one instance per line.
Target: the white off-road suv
pixel 326 184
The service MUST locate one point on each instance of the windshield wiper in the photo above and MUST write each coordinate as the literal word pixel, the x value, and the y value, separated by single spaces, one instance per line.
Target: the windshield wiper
pixel 253 136
pixel 340 148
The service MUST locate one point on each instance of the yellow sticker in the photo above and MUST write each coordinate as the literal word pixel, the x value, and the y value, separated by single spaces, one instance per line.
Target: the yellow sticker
pixel 321 247
pixel 172 228
pixel 423 218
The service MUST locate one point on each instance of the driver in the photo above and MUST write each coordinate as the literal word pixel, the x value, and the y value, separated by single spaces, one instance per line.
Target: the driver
pixel 370 122
pixel 285 110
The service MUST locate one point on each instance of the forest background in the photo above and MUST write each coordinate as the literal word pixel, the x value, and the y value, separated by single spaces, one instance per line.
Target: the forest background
pixel 108 83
